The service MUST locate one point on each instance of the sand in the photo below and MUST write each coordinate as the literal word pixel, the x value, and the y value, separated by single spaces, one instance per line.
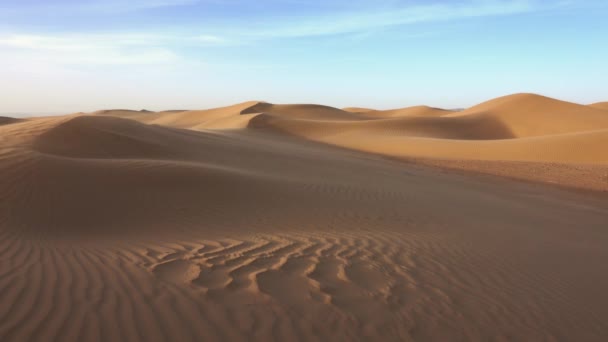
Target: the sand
pixel 5 120
pixel 263 222
pixel 600 105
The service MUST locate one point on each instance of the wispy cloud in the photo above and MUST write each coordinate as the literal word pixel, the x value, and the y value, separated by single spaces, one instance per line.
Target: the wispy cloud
pixel 106 49
pixel 391 16
pixel 116 48
pixel 98 6
pixel 131 5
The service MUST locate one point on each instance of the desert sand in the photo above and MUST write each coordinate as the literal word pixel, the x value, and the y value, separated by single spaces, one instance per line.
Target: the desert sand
pixel 266 222
pixel 600 105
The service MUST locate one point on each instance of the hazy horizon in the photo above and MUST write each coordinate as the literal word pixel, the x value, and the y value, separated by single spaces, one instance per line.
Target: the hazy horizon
pixel 67 56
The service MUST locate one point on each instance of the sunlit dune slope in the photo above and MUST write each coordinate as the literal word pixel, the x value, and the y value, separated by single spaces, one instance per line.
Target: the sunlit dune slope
pixel 600 105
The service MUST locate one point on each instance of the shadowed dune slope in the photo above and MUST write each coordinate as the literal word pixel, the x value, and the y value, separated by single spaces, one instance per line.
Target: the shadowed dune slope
pixel 95 171
pixel 109 137
pixel 5 120
pixel 465 128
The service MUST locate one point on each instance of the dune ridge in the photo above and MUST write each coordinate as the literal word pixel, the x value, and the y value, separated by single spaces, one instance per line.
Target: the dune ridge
pixel 600 105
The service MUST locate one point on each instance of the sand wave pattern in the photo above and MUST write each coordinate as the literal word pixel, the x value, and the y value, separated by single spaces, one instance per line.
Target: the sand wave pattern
pixel 283 287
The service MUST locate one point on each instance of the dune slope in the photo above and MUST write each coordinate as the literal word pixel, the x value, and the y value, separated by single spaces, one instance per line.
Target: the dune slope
pixel 600 105
pixel 530 115
pixel 5 120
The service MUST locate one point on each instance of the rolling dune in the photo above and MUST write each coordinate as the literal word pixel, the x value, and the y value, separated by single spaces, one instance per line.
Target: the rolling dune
pixel 534 115
pixel 600 105
pixel 516 128
pixel 409 111
pixel 457 139
pixel 4 120
pixel 262 222
pixel 302 111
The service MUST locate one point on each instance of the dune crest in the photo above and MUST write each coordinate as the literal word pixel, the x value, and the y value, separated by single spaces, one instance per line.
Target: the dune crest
pixel 600 105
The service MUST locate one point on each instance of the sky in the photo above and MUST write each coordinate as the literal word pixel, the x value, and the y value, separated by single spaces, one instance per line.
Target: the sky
pixel 63 56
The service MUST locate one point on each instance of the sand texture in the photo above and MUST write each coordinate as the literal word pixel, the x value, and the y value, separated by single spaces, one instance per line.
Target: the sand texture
pixel 264 222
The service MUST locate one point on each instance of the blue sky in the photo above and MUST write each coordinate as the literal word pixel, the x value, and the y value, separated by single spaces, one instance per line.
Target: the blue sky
pixel 82 55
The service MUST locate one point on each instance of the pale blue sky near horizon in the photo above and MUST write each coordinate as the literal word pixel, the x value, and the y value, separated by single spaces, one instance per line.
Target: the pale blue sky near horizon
pixel 67 55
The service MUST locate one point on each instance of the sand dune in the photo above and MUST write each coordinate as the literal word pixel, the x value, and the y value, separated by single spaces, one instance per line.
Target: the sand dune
pixel 409 111
pixel 139 115
pixel 302 111
pixel 448 140
pixel 529 115
pixel 244 223
pixel 195 118
pixel 520 127
pixel 5 120
pixel 236 116
pixel 600 105
pixel 465 128
pixel 357 109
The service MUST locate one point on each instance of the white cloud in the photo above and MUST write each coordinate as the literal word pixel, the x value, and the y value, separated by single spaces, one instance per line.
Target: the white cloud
pixel 116 6
pixel 113 49
pixel 83 50
pixel 205 38
pixel 389 16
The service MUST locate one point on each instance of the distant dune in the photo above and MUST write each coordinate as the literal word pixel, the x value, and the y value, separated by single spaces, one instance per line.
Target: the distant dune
pixel 600 105
pixel 267 222
pixel 518 128
pixel 4 120
pixel 529 115
pixel 522 127
pixel 409 111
